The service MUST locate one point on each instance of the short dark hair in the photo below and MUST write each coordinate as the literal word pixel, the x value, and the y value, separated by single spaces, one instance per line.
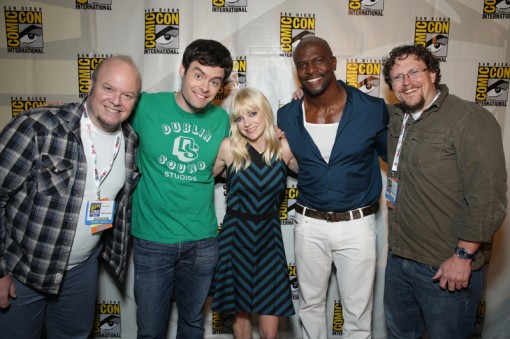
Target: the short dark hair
pixel 419 52
pixel 311 39
pixel 208 53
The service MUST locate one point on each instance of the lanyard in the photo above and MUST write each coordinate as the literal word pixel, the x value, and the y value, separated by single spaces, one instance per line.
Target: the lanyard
pixel 399 144
pixel 401 137
pixel 99 178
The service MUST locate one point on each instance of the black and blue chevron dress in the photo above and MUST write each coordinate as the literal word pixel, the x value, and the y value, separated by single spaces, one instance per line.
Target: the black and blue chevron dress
pixel 252 273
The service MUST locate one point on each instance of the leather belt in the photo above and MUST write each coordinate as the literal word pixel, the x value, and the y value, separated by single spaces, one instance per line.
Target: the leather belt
pixel 338 216
pixel 254 217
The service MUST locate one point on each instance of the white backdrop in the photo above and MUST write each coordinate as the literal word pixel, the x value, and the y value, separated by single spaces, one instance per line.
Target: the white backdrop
pixel 49 48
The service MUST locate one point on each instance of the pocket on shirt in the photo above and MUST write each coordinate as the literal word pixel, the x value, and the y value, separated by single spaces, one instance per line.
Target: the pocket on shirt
pixel 54 175
pixel 428 149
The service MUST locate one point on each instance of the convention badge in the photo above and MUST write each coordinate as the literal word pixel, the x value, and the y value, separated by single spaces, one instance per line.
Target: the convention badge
pixel 99 215
pixel 391 192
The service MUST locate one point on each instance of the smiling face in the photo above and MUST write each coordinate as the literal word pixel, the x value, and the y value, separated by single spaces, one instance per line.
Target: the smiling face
pixel 415 93
pixel 200 84
pixel 315 66
pixel 252 125
pixel 114 91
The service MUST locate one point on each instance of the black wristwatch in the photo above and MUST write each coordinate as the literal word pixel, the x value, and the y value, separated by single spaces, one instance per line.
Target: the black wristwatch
pixel 462 253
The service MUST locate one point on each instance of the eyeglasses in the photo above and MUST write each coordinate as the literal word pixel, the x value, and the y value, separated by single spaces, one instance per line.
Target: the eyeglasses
pixel 412 74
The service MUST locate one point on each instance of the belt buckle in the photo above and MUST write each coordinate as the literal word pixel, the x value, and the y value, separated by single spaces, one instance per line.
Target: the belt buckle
pixel 329 216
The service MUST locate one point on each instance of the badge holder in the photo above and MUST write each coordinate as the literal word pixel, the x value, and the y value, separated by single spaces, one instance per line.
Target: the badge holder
pixel 99 215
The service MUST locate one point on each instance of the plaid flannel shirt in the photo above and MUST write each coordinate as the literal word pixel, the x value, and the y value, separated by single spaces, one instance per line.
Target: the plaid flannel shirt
pixel 42 182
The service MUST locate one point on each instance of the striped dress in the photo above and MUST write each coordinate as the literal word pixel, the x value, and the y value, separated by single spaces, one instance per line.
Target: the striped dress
pixel 252 274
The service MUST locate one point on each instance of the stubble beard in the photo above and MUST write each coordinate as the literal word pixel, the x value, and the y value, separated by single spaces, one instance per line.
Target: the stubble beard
pixel 107 127
pixel 313 92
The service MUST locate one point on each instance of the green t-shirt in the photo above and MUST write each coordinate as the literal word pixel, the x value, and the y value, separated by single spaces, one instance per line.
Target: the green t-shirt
pixel 174 200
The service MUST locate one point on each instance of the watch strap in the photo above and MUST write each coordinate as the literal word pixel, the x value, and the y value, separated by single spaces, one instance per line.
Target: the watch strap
pixel 462 253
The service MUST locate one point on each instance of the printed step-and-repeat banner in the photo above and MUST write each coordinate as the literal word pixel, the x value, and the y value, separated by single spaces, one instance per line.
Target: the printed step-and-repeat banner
pixel 49 48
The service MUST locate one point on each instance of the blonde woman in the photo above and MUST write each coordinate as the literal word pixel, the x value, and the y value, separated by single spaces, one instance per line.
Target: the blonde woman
pixel 252 276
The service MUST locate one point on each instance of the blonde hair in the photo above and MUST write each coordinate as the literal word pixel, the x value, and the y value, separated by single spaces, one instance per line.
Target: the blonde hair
pixel 249 99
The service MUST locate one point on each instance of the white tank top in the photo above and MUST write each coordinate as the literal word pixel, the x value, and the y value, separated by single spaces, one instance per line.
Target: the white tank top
pixel 323 135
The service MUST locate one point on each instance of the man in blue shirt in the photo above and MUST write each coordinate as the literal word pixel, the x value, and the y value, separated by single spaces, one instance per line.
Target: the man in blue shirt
pixel 336 133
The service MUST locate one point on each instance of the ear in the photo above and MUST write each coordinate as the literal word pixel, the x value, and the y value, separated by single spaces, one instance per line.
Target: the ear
pixel 182 71
pixel 333 62
pixel 433 77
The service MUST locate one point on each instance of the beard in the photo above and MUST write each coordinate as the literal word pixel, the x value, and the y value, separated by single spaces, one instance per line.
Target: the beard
pixel 417 107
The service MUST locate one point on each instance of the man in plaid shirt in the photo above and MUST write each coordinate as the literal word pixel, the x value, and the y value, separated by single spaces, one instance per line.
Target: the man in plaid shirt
pixel 66 173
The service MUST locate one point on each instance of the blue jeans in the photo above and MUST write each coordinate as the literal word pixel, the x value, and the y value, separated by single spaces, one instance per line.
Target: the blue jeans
pixel 182 270
pixel 68 314
pixel 413 302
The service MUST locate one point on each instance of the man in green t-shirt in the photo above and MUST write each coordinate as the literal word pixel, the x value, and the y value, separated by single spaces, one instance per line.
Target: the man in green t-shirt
pixel 174 221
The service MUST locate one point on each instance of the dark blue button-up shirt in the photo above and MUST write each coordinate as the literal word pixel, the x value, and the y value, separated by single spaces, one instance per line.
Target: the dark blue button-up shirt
pixel 352 178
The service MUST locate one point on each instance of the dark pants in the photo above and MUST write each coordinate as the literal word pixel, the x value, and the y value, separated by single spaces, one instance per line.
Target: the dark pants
pixel 413 302
pixel 68 314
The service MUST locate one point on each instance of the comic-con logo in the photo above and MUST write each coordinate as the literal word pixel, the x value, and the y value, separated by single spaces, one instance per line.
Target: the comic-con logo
pixel 161 31
pixel 236 80
pixel 492 84
pixel 293 29
pixel 24 30
pixel 366 7
pixel 230 6
pixel 496 9
pixel 102 5
pixel 107 323
pixel 338 319
pixel 221 324
pixel 86 65
pixel 433 34
pixel 364 75
pixel 288 205
pixel 20 104
pixel 293 280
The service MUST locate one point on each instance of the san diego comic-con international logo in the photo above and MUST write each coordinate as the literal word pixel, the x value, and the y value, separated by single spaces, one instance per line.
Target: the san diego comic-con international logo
pixel 433 34
pixel 87 63
pixel 496 9
pixel 365 75
pixel 293 28
pixel 288 205
pixel 366 7
pixel 101 5
pixel 21 104
pixel 107 322
pixel 338 319
pixel 161 31
pixel 221 324
pixel 492 84
pixel 293 280
pixel 230 6
pixel 236 81
pixel 24 30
